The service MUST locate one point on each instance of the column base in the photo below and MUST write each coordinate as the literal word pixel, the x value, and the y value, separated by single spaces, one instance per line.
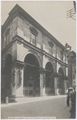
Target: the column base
pixel 44 94
pixel 19 92
pixel 57 92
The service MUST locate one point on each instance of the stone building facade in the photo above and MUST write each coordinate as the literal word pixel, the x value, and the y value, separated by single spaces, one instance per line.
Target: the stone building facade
pixel 72 69
pixel 34 63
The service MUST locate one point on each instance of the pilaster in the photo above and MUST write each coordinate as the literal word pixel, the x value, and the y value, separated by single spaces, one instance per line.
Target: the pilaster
pixel 42 83
pixel 55 85
pixel 19 82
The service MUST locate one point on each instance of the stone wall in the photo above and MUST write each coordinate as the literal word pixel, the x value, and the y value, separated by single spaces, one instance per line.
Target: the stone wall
pixel 20 26
pixel 42 41
pixel 12 27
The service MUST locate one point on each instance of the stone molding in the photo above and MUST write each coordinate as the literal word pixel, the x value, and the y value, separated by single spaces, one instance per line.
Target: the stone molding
pixel 42 52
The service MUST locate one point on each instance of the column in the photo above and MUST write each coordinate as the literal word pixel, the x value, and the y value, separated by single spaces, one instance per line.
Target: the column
pixel 65 86
pixel 13 82
pixel 55 85
pixel 19 82
pixel 44 93
pixel 41 84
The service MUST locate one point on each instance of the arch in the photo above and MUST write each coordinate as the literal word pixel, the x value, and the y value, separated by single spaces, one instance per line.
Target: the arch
pixel 31 59
pixel 49 67
pixel 61 80
pixel 31 75
pixel 49 79
pixel 36 55
pixel 60 71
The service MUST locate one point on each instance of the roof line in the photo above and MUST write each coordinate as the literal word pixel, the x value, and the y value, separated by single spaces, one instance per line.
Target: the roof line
pixel 17 9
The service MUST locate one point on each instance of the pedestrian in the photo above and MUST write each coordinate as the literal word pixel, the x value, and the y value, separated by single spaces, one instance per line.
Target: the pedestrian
pixel 69 96
pixel 73 105
pixel 68 99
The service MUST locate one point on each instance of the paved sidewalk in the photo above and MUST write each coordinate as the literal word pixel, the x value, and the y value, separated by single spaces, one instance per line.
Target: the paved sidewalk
pixel 31 99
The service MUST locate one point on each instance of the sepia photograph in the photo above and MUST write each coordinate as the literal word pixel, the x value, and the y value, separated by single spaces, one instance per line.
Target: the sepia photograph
pixel 38 59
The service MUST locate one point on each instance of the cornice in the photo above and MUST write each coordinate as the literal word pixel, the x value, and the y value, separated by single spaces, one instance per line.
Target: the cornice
pixel 29 45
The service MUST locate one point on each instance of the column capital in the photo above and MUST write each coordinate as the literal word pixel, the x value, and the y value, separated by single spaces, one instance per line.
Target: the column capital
pixel 42 70
pixel 19 64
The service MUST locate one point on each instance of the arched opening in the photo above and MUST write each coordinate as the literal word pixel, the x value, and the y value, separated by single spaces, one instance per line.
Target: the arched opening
pixel 49 80
pixel 61 80
pixel 31 76
pixel 6 79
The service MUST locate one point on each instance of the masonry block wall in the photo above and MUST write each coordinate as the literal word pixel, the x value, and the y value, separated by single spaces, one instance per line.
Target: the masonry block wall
pixel 23 39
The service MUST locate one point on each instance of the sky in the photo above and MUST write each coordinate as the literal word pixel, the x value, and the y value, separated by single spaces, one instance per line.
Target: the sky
pixel 52 15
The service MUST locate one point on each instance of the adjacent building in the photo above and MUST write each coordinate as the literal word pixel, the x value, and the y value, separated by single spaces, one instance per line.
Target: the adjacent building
pixel 72 69
pixel 34 63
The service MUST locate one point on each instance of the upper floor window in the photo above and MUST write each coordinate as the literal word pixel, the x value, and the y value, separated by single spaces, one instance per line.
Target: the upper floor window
pixel 33 39
pixel 61 55
pixel 7 36
pixel 51 47
pixel 33 35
